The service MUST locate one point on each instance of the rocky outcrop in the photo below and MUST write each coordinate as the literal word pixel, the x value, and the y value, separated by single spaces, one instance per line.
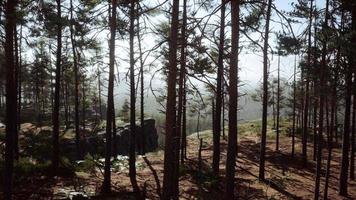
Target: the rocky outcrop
pixel 95 144
pixel 150 135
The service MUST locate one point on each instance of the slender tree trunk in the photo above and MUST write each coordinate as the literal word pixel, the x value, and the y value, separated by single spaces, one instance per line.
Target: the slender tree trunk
pixel 114 134
pixel 19 106
pixel 322 73
pixel 294 104
pixel 83 101
pixel 233 101
pixel 171 139
pixel 65 94
pixel 346 136
pixel 219 80
pixel 265 95
pixel 353 135
pixel 306 99
pixel 184 123
pixel 17 75
pixel 315 130
pixel 182 72
pixel 11 97
pixel 278 102
pixel 132 152
pixel 142 104
pixel 315 80
pixel 55 118
pixel 273 107
pixel 106 188
pixel 99 94
pixel 330 146
pixel 353 130
pixel 51 76
pixel 76 83
pixel 223 113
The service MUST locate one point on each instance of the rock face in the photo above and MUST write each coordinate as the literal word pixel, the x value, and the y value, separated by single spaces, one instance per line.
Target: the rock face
pixel 150 133
pixel 96 144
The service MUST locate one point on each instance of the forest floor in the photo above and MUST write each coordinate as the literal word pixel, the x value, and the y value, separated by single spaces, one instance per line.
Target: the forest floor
pixel 286 178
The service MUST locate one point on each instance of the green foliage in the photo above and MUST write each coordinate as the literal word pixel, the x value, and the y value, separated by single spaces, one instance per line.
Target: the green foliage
pixel 88 165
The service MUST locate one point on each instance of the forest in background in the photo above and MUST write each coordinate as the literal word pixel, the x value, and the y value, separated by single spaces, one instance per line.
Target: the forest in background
pixel 175 66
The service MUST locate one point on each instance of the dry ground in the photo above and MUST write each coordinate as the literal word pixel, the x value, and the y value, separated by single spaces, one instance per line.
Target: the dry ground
pixel 286 177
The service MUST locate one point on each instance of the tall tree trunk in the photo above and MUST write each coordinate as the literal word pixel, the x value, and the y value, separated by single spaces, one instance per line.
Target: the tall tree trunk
pixel 315 129
pixel 99 94
pixel 315 89
pixel 182 72
pixel 346 136
pixel 142 103
pixel 353 145
pixel 55 118
pixel 83 101
pixel 132 152
pixel 76 83
pixel 330 146
pixel 184 123
pixel 265 95
pixel 294 104
pixel 219 80
pixel 20 81
pixel 171 139
pixel 306 99
pixel 106 188
pixel 11 97
pixel 233 101
pixel 114 135
pixel 223 112
pixel 323 71
pixel 65 94
pixel 278 102
pixel 17 75
pixel 273 107
pixel 353 132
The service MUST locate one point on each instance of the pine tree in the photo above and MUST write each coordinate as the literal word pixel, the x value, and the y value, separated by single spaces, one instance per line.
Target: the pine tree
pixel 11 97
pixel 233 95
pixel 55 117
pixel 106 188
pixel 170 190
pixel 265 94
pixel 219 87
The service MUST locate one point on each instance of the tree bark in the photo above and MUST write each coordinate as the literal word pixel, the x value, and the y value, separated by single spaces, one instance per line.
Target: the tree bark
pixel 343 185
pixel 114 134
pixel 182 72
pixel 184 123
pixel 265 95
pixel 218 101
pixel 278 102
pixel 132 152
pixel 353 145
pixel 233 101
pixel 323 71
pixel 106 188
pixel 171 139
pixel 55 118
pixel 76 83
pixel 306 99
pixel 17 78
pixel 142 103
pixel 11 97
pixel 330 145
pixel 294 104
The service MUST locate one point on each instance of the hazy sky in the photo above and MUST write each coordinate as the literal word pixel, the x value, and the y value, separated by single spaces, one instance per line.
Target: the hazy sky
pixel 250 63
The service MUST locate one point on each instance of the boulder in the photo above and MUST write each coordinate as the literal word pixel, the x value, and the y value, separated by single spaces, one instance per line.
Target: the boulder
pixel 95 143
